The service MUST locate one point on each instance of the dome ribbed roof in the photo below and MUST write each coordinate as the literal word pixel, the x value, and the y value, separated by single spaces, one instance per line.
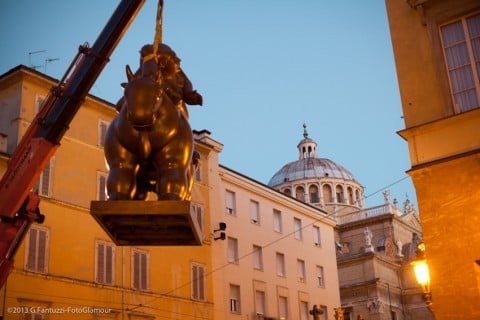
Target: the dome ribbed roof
pixel 309 165
pixel 310 168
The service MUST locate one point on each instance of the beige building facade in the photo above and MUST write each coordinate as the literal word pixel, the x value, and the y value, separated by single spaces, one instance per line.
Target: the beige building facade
pixel 280 256
pixel 437 53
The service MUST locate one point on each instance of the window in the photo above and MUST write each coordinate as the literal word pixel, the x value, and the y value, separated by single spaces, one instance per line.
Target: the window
pixel 358 200
pixel 347 315
pixel 313 191
pixel 39 100
pixel 301 271
pixel 277 220
pixel 327 193
pixel 3 142
pixel 324 313
pixel 33 316
pixel 230 202
pixel 254 212
pixel 234 298
pixel 393 315
pixel 283 307
pixel 198 172
pixel 339 193
pixel 297 228
pixel 36 259
pixel 461 48
pixel 257 257
pixel 350 196
pixel 101 186
pixel 300 194
pixel 198 282
pixel 320 278
pixel 197 212
pixel 316 236
pixel 232 254
pixel 280 262
pixel 304 312
pixel 105 262
pixel 260 303
pixel 44 182
pixel 102 132
pixel 140 271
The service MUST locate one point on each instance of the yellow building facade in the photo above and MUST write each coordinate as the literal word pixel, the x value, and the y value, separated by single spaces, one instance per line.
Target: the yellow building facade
pixel 437 52
pixel 68 267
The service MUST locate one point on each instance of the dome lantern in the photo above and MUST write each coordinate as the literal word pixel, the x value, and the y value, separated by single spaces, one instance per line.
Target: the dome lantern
pixel 307 147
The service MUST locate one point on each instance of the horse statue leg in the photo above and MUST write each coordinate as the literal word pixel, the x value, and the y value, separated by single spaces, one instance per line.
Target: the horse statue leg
pixel 123 167
pixel 174 165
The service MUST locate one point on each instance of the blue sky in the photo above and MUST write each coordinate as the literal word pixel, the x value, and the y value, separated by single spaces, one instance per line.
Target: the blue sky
pixel 263 67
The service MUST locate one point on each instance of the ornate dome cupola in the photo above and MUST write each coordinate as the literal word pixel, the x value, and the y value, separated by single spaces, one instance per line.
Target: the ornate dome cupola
pixel 307 147
pixel 318 181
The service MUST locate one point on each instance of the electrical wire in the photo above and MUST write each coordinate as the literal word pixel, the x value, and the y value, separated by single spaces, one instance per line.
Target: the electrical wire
pixel 287 235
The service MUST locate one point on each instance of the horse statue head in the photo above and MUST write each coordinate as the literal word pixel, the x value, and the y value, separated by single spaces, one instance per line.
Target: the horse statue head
pixel 143 98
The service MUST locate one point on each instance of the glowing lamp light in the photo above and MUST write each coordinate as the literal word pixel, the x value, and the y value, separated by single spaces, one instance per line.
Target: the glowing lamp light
pixel 422 274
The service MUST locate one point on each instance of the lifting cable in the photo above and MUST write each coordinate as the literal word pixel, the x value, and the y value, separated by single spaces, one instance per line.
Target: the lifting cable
pixel 158 29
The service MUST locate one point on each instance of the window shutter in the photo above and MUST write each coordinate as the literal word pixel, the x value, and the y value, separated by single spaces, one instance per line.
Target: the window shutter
pixel 194 282
pixel 297 225
pixel 42 250
pixel 277 221
pixel 45 181
pixel 102 132
pixel 136 275
pixel 201 283
pixel 198 282
pixel 108 264
pixel 316 236
pixel 102 181
pixel 143 260
pixel 100 263
pixel 32 248
pixel 230 202
pixel 260 302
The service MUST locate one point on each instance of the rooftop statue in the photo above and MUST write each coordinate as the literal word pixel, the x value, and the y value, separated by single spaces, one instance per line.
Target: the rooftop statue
pixel 149 145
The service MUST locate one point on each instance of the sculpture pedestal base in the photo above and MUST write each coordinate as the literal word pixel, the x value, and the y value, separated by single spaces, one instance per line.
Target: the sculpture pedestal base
pixel 148 223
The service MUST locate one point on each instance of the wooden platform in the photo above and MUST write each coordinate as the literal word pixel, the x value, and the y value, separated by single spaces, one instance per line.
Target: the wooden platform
pixel 148 223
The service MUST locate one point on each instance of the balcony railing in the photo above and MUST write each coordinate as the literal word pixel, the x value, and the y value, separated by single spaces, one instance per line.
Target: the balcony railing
pixel 386 208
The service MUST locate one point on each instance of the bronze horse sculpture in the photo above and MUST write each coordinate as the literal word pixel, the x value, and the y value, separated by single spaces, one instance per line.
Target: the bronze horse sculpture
pixel 149 144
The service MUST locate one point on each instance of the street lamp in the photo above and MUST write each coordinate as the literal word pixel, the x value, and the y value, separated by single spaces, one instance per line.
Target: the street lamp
pixel 422 274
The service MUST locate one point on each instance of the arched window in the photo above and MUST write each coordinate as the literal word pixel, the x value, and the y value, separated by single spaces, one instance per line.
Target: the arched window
pixel 351 200
pixel 339 193
pixel 313 192
pixel 358 198
pixel 300 194
pixel 327 193
pixel 287 191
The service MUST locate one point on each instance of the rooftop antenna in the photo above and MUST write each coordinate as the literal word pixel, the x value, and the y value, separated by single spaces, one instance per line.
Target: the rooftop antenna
pixel 30 58
pixel 49 60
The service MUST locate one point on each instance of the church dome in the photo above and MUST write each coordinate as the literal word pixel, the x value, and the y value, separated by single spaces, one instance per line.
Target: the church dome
pixel 309 165
pixel 317 181
pixel 310 168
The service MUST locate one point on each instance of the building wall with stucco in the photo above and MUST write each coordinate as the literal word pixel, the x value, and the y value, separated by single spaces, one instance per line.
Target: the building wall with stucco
pixel 435 52
pixel 68 267
pixel 289 293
